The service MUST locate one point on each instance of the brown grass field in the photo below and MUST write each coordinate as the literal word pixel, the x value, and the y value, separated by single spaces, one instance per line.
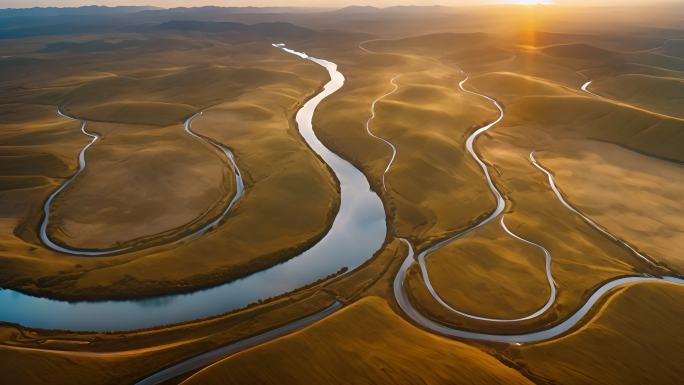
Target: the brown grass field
pixel 163 165
pixel 604 350
pixel 281 158
pixel 616 156
pixel 364 343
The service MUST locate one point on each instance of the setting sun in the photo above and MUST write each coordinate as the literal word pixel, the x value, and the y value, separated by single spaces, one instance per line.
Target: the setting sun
pixel 528 2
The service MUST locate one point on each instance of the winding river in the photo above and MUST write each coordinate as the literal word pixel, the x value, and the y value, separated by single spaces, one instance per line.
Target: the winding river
pixel 358 231
pixel 585 88
pixel 561 328
pixel 395 87
pixel 235 170
pixel 239 183
pixel 556 191
pixel 398 284
pixel 42 232
pixel 565 326
pixel 500 206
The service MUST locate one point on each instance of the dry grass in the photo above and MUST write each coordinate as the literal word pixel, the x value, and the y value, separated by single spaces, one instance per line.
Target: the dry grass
pixel 632 340
pixel 134 174
pixel 165 162
pixel 363 343
pixel 432 187
pixel 637 198
pixel 490 274
pixel 660 94
pixel 599 119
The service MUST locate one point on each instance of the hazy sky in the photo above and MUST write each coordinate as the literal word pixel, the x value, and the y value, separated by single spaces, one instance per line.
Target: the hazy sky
pixel 328 3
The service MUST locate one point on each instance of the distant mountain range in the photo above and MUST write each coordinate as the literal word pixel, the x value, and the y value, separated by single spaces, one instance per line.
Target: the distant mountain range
pixel 214 10
pixel 275 29
pixel 104 10
pixel 85 10
pixel 52 21
pixel 356 9
pixel 238 10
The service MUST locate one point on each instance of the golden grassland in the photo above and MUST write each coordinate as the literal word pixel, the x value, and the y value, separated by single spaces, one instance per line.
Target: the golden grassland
pixel 604 120
pixel 38 143
pixel 583 258
pixel 432 187
pixel 250 93
pixel 635 197
pixel 630 341
pixel 565 66
pixel 150 169
pixel 272 158
pixel 364 343
pixel 498 276
pixel 168 96
pixel 657 93
pixel 105 358
pixel 540 112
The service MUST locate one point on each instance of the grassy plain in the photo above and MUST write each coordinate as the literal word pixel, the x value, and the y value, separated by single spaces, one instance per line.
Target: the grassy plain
pixel 262 87
pixel 432 187
pixel 150 169
pixel 250 92
pixel 657 93
pixel 114 358
pixel 630 341
pixel 543 110
pixel 364 343
pixel 634 196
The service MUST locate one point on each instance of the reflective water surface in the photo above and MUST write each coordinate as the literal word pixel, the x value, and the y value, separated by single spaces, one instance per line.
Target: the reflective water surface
pixel 358 231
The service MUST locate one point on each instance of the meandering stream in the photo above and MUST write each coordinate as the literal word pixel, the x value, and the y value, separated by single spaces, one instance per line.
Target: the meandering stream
pixel 395 87
pixel 358 231
pixel 187 125
pixel 563 327
pixel 569 323
pixel 556 191
pixel 500 206
pixel 42 231
pixel 239 183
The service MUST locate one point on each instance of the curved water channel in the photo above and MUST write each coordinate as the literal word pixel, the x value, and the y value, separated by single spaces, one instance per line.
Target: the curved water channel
pixel 395 87
pixel 565 326
pixel 357 232
pixel 42 231
pixel 561 328
pixel 239 183
pixel 556 191
pixel 585 88
pixel 500 206
pixel 235 170
pixel 404 303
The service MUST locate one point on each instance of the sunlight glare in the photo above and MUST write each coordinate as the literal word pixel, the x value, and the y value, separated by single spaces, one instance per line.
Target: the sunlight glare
pixel 527 2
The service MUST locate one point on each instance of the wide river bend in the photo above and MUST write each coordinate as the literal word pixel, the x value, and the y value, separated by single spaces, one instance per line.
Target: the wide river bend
pixel 358 231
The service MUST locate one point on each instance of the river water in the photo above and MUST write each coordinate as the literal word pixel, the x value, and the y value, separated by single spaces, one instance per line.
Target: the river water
pixel 357 232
